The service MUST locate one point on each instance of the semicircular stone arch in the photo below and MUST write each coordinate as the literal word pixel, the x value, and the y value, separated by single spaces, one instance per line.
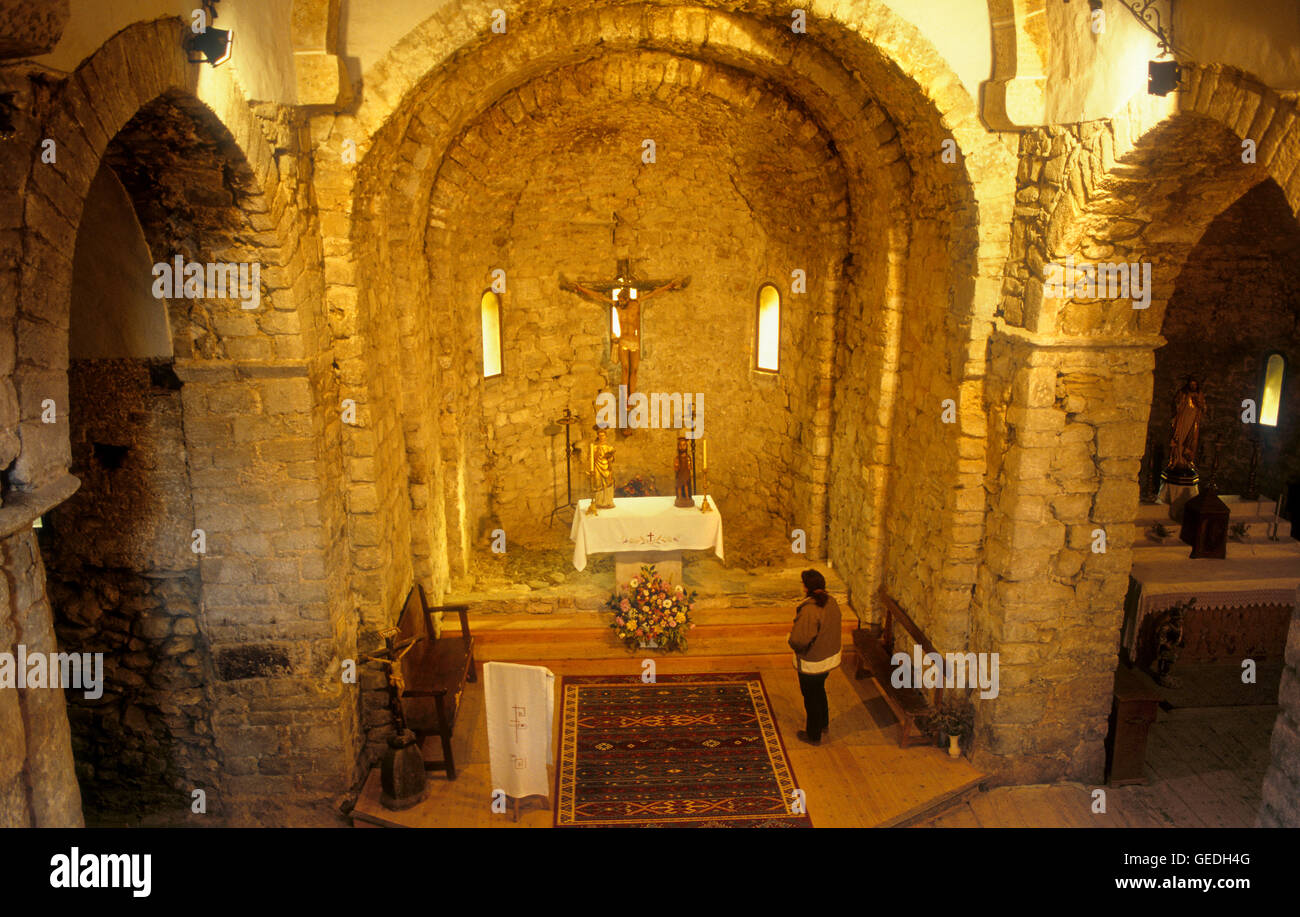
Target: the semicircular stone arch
pixel 1070 391
pixel 400 158
pixel 255 377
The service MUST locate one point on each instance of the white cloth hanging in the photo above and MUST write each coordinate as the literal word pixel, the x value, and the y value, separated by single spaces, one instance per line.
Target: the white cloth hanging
pixel 520 702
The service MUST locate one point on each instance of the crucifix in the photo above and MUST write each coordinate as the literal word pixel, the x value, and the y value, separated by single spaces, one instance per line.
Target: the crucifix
pixel 624 295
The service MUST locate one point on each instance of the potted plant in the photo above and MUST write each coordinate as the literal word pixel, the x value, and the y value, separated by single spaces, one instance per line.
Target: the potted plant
pixel 651 614
pixel 953 724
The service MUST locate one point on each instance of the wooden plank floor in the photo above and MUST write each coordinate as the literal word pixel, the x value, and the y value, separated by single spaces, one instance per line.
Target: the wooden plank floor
pixel 859 777
pixel 1205 769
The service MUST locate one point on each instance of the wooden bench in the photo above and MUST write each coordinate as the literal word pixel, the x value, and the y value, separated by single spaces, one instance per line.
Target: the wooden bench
pixel 435 671
pixel 875 649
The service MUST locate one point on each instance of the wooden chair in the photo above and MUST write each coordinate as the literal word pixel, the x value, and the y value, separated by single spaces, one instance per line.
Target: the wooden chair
pixel 435 670
pixel 875 649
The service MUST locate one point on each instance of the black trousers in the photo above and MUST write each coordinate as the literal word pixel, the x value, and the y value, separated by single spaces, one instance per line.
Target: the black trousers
pixel 813 688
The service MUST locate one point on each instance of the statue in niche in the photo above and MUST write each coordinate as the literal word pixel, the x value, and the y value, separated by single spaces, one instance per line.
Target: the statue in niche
pixel 1189 411
pixel 682 469
pixel 600 466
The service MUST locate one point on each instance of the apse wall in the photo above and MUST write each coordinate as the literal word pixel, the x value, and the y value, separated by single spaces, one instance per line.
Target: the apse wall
pixel 1236 300
pixel 554 183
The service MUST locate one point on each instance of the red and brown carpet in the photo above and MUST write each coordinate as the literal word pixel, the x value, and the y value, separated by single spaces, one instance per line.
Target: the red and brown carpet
pixel 687 751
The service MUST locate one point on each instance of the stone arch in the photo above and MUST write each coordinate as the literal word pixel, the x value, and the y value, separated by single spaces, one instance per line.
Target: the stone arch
pixel 1070 396
pixel 91 107
pixel 857 45
pixel 255 386
pixel 475 198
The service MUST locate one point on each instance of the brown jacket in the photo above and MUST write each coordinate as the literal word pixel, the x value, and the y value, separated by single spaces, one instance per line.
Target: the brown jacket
pixel 815 637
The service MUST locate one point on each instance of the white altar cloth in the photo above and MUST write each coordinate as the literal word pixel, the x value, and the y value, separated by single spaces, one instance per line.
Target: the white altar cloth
pixel 644 524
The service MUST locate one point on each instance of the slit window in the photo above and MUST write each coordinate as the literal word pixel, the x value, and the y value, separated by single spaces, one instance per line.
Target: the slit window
pixel 768 349
pixel 1271 400
pixel 490 311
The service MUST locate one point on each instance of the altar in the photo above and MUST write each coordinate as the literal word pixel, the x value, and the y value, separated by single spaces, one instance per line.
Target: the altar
pixel 645 530
pixel 1243 604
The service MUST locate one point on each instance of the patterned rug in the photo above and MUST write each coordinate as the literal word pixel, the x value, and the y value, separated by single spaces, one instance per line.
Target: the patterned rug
pixel 688 751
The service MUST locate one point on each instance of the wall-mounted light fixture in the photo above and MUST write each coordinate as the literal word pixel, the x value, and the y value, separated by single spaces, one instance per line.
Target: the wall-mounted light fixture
pixel 1163 77
pixel 212 45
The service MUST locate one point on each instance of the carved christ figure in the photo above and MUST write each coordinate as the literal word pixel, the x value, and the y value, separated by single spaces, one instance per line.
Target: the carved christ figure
pixel 627 299
pixel 1189 411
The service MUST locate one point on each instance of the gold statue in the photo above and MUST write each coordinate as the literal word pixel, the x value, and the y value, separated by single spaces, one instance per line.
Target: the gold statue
pixel 600 465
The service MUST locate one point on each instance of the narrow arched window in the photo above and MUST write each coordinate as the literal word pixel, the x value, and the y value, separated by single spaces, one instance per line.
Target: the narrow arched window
pixel 768 347
pixel 1270 400
pixel 490 310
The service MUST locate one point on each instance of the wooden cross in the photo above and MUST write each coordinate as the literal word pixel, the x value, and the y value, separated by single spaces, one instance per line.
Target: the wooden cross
pixel 624 293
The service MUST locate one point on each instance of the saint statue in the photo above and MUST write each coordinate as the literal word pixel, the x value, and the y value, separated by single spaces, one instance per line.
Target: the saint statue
pixel 1189 411
pixel 682 468
pixel 601 469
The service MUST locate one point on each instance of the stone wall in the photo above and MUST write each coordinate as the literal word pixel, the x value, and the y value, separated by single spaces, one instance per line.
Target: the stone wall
pixel 732 200
pixel 124 582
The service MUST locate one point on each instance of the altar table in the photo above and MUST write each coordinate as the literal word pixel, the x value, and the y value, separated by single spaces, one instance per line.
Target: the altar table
pixel 645 530
pixel 1243 604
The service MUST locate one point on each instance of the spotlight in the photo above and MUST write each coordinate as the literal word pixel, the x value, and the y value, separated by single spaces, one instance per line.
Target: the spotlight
pixel 212 45
pixel 1163 77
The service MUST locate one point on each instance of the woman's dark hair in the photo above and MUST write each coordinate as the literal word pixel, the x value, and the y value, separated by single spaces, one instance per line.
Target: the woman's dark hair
pixel 815 584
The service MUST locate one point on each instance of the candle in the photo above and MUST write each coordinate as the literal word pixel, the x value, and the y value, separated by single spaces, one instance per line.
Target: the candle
pixel 704 463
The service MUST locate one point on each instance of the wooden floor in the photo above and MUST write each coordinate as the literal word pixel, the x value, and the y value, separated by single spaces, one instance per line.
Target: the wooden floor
pixel 1205 768
pixel 859 777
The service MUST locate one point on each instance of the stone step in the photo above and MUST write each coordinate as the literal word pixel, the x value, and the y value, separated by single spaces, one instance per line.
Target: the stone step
pixel 1257 529
pixel 1240 509
pixel 721 634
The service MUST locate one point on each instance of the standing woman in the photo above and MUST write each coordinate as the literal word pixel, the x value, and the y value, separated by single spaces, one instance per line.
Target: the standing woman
pixel 815 639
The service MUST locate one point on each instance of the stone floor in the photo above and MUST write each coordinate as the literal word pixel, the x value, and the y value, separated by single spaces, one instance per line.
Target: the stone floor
pixel 1204 768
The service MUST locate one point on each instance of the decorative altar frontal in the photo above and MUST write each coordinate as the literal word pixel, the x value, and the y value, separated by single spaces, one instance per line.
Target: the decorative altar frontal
pixel 1243 604
pixel 645 524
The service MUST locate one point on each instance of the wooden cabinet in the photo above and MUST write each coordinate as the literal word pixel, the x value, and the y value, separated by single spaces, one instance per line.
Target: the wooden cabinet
pixel 1132 713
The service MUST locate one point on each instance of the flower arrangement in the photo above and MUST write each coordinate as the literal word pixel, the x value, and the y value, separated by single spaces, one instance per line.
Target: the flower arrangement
pixel 638 486
pixel 651 612
pixel 950 721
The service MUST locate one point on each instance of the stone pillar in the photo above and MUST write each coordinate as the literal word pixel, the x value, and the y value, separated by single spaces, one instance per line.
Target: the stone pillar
pixel 1050 594
pixel 1280 806
pixel 38 783
pixel 270 604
